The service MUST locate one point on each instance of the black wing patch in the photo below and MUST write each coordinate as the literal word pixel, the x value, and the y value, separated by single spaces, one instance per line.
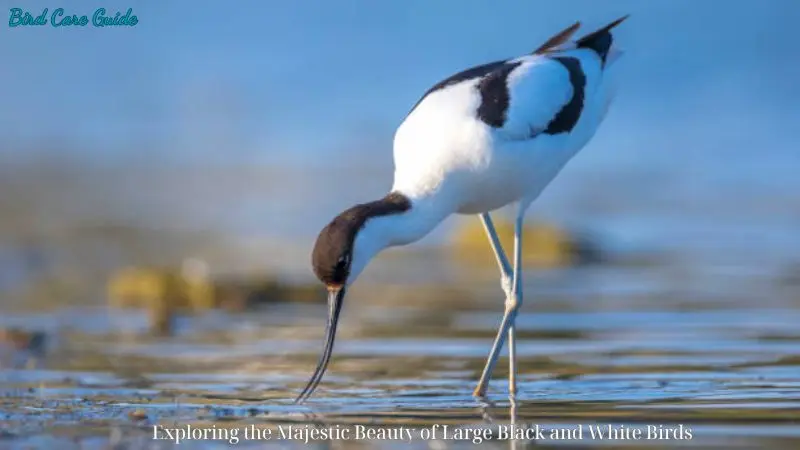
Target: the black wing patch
pixel 566 119
pixel 495 98
pixel 494 95
pixel 469 74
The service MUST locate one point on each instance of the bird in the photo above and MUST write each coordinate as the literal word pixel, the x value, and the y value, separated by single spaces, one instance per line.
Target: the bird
pixel 486 137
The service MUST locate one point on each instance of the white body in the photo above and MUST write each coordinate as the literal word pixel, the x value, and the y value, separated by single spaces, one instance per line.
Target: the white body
pixel 442 148
pixel 448 161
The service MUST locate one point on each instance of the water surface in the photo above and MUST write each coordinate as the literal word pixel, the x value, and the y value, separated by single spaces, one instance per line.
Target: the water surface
pixel 727 368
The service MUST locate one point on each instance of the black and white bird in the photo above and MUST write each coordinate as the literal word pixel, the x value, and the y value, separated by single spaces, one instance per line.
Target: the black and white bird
pixel 489 136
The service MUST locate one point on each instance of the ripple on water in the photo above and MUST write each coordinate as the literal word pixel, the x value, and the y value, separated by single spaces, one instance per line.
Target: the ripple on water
pixel 718 370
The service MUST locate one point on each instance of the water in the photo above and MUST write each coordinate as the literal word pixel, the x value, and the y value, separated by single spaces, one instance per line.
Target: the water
pixel 619 346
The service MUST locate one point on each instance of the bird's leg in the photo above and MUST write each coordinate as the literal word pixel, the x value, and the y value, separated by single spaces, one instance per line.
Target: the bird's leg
pixel 514 306
pixel 512 418
pixel 511 303
pixel 507 283
pixel 502 260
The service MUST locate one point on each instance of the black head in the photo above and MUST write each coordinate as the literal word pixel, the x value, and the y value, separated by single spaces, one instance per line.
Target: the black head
pixel 333 252
pixel 332 260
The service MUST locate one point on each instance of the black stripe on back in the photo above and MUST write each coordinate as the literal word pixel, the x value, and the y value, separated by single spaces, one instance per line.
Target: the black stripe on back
pixel 494 95
pixel 469 74
pixel 567 118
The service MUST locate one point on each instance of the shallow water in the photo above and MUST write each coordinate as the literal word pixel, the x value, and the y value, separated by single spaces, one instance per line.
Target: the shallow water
pixel 726 368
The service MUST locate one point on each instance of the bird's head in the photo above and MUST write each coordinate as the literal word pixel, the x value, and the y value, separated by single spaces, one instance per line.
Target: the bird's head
pixel 342 251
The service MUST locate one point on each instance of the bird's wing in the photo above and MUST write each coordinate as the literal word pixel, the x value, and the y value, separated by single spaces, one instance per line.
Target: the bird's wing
pixel 464 76
pixel 532 95
pixel 545 92
pixel 558 41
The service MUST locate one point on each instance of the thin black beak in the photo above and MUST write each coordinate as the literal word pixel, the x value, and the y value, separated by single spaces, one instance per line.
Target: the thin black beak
pixel 335 297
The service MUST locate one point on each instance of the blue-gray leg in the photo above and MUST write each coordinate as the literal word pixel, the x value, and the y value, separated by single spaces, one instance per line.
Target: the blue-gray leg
pixel 514 304
pixel 512 284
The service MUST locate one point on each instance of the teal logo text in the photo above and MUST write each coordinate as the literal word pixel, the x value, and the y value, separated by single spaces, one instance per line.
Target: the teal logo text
pixel 100 18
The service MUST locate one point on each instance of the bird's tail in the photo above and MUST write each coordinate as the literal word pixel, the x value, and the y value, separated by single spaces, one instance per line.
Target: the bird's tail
pixel 558 40
pixel 601 41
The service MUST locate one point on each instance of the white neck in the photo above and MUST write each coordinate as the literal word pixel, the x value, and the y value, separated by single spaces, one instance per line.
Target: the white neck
pixel 382 232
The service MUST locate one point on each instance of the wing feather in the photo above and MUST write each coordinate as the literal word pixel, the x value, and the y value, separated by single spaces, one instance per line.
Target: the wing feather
pixel 558 39
pixel 542 92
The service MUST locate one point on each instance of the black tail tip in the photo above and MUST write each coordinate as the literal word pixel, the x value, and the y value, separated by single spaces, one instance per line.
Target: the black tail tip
pixel 600 40
pixel 617 22
pixel 602 31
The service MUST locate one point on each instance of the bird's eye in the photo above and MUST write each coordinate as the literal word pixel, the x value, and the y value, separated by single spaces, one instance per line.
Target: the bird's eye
pixel 343 261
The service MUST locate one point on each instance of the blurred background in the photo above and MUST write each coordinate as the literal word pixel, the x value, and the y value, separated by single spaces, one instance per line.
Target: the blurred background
pixel 188 162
